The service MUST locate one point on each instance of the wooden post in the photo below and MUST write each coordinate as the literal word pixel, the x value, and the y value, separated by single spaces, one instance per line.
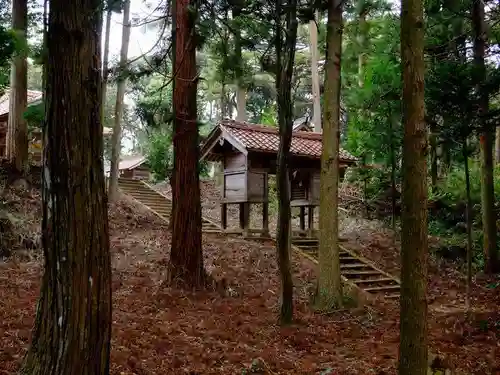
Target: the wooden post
pixel 302 217
pixel 223 216
pixel 245 218
pixel 242 215
pixel 310 220
pixel 265 219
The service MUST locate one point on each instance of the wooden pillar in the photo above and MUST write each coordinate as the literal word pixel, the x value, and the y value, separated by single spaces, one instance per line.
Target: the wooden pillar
pixel 302 218
pixel 245 217
pixel 265 219
pixel 242 215
pixel 310 220
pixel 223 216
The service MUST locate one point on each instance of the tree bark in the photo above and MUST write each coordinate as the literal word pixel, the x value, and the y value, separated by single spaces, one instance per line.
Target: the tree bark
pixel 17 129
pixel 468 220
pixel 497 145
pixel 105 63
pixel 394 124
pixel 186 256
pixel 116 137
pixel 329 280
pixel 313 37
pixel 486 142
pixel 414 244
pixel 362 36
pixel 433 157
pixel 73 322
pixel 285 53
pixel 241 92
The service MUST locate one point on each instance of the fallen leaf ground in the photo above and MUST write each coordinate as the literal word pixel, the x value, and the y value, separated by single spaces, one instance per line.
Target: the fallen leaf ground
pixel 158 330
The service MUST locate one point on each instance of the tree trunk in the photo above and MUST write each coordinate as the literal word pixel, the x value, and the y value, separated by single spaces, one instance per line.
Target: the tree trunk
pixel 468 220
pixel 433 157
pixel 313 36
pixel 394 124
pixel 186 257
pixel 241 93
pixel 362 36
pixel 44 49
pixel 116 137
pixel 105 63
pixel 329 280
pixel 414 243
pixel 17 130
pixel 73 322
pixel 486 143
pixel 285 53
pixel 497 145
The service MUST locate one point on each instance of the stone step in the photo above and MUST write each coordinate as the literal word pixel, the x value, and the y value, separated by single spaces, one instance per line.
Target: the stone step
pixel 375 280
pixel 354 266
pixel 382 288
pixel 151 198
pixel 392 296
pixel 351 273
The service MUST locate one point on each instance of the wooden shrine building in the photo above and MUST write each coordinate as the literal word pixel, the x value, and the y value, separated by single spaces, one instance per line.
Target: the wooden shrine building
pixel 35 135
pixel 248 153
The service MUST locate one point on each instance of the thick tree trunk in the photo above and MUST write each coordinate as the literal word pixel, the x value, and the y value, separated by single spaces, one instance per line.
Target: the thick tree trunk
pixel 241 93
pixel 313 37
pixel 394 124
pixel 241 103
pixel 362 36
pixel 44 48
pixel 433 157
pixel 116 137
pixel 285 59
pixel 329 279
pixel 486 143
pixel 105 63
pixel 468 220
pixel 497 145
pixel 17 131
pixel 73 323
pixel 414 245
pixel 186 257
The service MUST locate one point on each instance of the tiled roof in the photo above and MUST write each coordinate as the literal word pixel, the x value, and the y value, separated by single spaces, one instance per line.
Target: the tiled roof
pixel 131 161
pixel 126 162
pixel 266 139
pixel 33 97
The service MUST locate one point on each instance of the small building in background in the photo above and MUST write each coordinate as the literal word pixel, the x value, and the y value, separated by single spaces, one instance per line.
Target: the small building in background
pixel 248 155
pixel 132 166
pixel 35 135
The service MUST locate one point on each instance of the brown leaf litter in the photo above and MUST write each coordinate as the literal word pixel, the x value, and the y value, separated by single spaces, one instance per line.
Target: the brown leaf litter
pixel 159 330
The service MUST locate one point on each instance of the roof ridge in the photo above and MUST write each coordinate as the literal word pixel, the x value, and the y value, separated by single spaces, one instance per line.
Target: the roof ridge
pixel 267 129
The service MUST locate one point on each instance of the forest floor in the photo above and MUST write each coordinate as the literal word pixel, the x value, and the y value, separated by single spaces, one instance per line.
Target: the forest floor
pixel 158 330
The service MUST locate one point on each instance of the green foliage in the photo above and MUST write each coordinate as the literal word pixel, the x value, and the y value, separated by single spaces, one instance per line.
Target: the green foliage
pixel 159 153
pixel 7 48
pixel 269 116
pixel 375 109
pixel 452 188
pixel 35 115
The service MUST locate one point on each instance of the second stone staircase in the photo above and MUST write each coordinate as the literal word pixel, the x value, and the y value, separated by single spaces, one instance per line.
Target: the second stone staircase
pixel 156 202
pixel 356 269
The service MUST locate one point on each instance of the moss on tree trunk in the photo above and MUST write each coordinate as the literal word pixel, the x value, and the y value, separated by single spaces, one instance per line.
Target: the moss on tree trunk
pixel 73 323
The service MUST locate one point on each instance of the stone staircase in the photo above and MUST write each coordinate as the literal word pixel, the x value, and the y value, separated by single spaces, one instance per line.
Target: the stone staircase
pixel 357 270
pixel 156 202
